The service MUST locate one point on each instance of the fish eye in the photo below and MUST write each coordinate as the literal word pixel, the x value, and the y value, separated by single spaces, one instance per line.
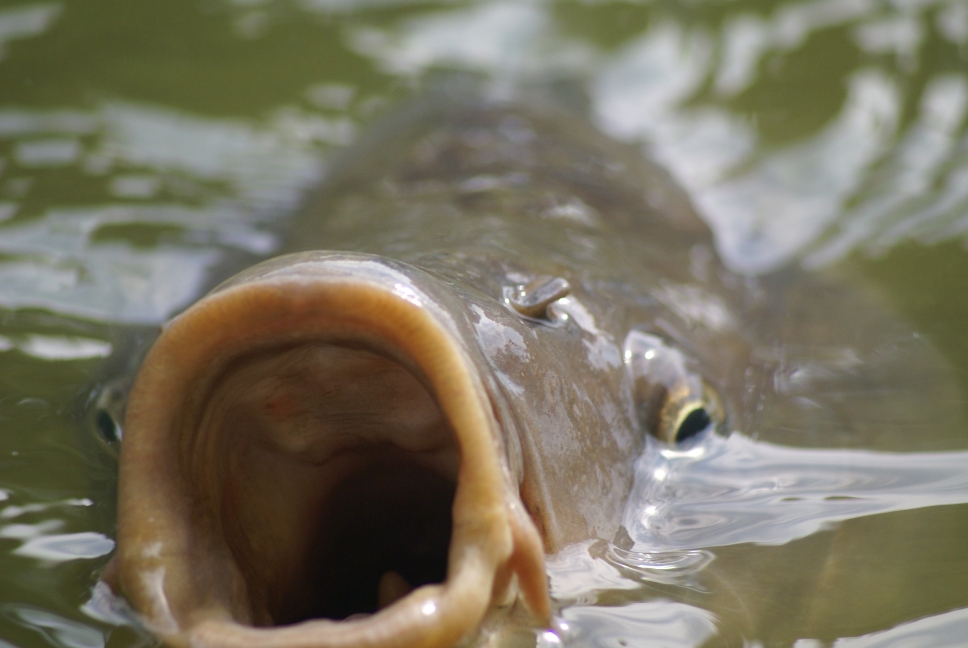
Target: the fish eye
pixel 106 413
pixel 673 401
pixel 107 427
pixel 678 415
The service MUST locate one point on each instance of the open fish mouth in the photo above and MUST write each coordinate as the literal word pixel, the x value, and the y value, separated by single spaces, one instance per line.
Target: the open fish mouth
pixel 345 455
pixel 311 458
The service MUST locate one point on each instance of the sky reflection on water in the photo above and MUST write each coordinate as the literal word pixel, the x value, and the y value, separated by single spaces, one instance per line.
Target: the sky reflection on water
pixel 875 173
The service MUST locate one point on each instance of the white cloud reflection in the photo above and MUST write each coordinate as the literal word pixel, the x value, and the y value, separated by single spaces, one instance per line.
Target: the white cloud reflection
pixel 341 6
pixel 768 208
pixel 952 22
pixel 650 77
pixel 20 123
pixel 41 540
pixel 47 152
pixel 893 204
pixel 744 39
pixel 109 282
pixel 266 167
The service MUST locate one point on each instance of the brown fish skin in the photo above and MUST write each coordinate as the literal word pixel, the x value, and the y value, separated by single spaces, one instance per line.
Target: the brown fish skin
pixel 448 219
pixel 491 198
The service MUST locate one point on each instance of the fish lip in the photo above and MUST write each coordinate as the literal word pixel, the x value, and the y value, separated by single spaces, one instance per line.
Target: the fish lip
pixel 163 559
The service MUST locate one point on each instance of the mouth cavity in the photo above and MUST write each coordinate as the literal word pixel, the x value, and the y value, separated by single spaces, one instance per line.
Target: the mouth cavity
pixel 338 478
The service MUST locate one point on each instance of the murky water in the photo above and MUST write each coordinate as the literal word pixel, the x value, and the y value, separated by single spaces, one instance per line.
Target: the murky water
pixel 146 147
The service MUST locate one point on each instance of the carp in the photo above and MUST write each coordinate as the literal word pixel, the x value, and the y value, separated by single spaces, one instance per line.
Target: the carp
pixel 487 312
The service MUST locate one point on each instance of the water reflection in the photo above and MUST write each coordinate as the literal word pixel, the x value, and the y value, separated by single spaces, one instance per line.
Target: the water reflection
pixel 509 40
pixel 26 21
pixel 40 540
pixel 790 546
pixel 64 546
pixel 893 204
pixel 653 624
pixel 770 206
pixel 946 630
pixel 807 182
pixel 61 632
pixel 952 22
pixel 767 204
pixel 223 182
pixel 47 347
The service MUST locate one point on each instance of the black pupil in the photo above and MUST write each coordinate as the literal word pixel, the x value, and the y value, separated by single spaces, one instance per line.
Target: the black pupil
pixel 106 426
pixel 693 424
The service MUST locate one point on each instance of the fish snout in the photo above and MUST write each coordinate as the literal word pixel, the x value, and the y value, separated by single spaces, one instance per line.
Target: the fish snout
pixel 311 459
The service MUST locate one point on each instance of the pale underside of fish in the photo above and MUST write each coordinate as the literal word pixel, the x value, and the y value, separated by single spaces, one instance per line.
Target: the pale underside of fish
pixel 377 443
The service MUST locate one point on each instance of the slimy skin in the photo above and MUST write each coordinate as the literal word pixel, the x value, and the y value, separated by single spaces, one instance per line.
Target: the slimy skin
pixel 377 442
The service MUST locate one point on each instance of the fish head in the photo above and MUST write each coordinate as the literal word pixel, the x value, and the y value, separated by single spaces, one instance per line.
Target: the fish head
pixel 343 449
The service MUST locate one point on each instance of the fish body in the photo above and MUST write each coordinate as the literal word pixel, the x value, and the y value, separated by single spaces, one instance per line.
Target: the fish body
pixel 486 314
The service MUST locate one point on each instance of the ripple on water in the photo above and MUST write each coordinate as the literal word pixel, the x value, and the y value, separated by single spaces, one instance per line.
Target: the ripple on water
pixel 59 631
pixel 735 490
pixel 650 624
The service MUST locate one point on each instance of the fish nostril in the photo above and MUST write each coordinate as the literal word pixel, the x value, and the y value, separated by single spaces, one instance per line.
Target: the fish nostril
pixel 533 299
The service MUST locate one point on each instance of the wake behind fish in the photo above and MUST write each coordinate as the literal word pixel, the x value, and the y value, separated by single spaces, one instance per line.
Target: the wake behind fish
pixel 733 490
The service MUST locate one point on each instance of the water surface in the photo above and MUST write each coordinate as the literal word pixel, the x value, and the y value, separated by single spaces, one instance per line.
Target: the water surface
pixel 144 148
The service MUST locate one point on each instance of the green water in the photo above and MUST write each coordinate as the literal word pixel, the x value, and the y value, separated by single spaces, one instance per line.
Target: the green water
pixel 145 145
